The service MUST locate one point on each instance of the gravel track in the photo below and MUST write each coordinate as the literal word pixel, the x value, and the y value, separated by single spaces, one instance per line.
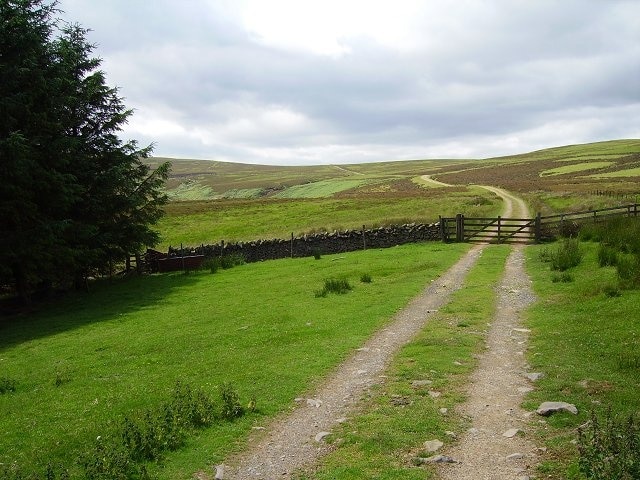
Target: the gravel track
pixel 496 391
pixel 290 442
pixel 294 441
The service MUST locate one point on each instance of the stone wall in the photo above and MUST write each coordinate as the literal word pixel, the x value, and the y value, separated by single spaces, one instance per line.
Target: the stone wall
pixel 322 243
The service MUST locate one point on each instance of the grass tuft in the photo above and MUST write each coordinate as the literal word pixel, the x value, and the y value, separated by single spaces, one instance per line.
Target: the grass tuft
pixel 366 278
pixel 565 255
pixel 7 385
pixel 338 286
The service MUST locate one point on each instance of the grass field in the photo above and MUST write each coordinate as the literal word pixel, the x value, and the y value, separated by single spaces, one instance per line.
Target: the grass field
pixel 586 343
pixel 193 223
pixel 88 361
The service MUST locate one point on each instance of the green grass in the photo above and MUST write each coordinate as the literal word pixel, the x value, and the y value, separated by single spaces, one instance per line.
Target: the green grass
pixel 250 220
pixel 86 362
pixel 395 420
pixel 325 188
pixel 629 172
pixel 191 191
pixel 576 167
pixel 586 342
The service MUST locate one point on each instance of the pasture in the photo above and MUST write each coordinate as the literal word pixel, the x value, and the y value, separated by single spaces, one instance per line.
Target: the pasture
pixel 83 364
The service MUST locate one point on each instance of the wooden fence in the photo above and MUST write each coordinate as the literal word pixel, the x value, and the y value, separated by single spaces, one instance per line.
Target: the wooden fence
pixel 524 230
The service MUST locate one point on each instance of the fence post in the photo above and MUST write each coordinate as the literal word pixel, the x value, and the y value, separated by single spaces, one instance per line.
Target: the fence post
pixel 182 255
pixel 538 233
pixel 459 228
pixel 499 225
pixel 291 244
pixel 364 238
pixel 443 234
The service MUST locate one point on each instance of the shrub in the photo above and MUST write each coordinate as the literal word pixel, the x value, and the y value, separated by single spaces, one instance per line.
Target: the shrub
pixel 231 407
pixel 317 254
pixel 611 449
pixel 366 278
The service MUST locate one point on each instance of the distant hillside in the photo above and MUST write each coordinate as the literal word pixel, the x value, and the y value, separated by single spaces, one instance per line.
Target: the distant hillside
pixel 574 169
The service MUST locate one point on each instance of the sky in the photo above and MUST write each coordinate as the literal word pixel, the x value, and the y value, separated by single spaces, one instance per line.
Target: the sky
pixel 298 82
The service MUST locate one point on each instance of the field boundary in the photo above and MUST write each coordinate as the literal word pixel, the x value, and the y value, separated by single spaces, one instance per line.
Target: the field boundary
pixel 524 230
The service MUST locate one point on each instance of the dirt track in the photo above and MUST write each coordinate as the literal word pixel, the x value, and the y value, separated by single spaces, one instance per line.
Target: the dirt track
pixel 294 441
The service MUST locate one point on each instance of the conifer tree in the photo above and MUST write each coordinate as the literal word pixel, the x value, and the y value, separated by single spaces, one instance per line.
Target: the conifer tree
pixel 74 198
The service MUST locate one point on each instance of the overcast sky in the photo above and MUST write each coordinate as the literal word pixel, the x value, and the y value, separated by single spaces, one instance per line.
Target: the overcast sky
pixel 345 81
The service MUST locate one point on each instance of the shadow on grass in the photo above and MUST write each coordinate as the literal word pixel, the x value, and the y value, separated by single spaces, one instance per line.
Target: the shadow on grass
pixel 106 300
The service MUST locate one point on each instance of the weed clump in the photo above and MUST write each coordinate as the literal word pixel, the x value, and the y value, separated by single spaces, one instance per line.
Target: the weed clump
pixel 566 255
pixel 607 256
pixel 333 285
pixel 145 437
pixel 563 277
pixel 224 262
pixel 7 385
pixel 366 278
pixel 628 269
pixel 610 449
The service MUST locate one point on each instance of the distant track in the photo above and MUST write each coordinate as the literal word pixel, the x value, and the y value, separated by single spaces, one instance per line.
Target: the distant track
pixel 435 183
pixel 514 206
pixel 347 170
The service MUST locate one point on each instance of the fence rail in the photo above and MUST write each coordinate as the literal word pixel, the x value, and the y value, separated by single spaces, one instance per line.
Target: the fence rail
pixel 524 230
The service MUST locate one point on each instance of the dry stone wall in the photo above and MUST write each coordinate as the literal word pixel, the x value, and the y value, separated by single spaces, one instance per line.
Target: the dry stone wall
pixel 322 243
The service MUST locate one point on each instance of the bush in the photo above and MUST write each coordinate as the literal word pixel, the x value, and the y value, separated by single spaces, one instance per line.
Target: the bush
pixel 231 407
pixel 610 450
pixel 317 254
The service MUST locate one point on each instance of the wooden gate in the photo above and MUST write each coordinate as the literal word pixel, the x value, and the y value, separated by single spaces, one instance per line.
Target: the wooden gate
pixel 489 229
pixel 525 230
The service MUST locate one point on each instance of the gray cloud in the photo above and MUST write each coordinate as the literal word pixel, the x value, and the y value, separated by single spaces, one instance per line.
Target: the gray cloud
pixel 478 78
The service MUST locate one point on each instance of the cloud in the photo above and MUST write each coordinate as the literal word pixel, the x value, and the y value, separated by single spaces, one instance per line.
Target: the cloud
pixel 286 81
